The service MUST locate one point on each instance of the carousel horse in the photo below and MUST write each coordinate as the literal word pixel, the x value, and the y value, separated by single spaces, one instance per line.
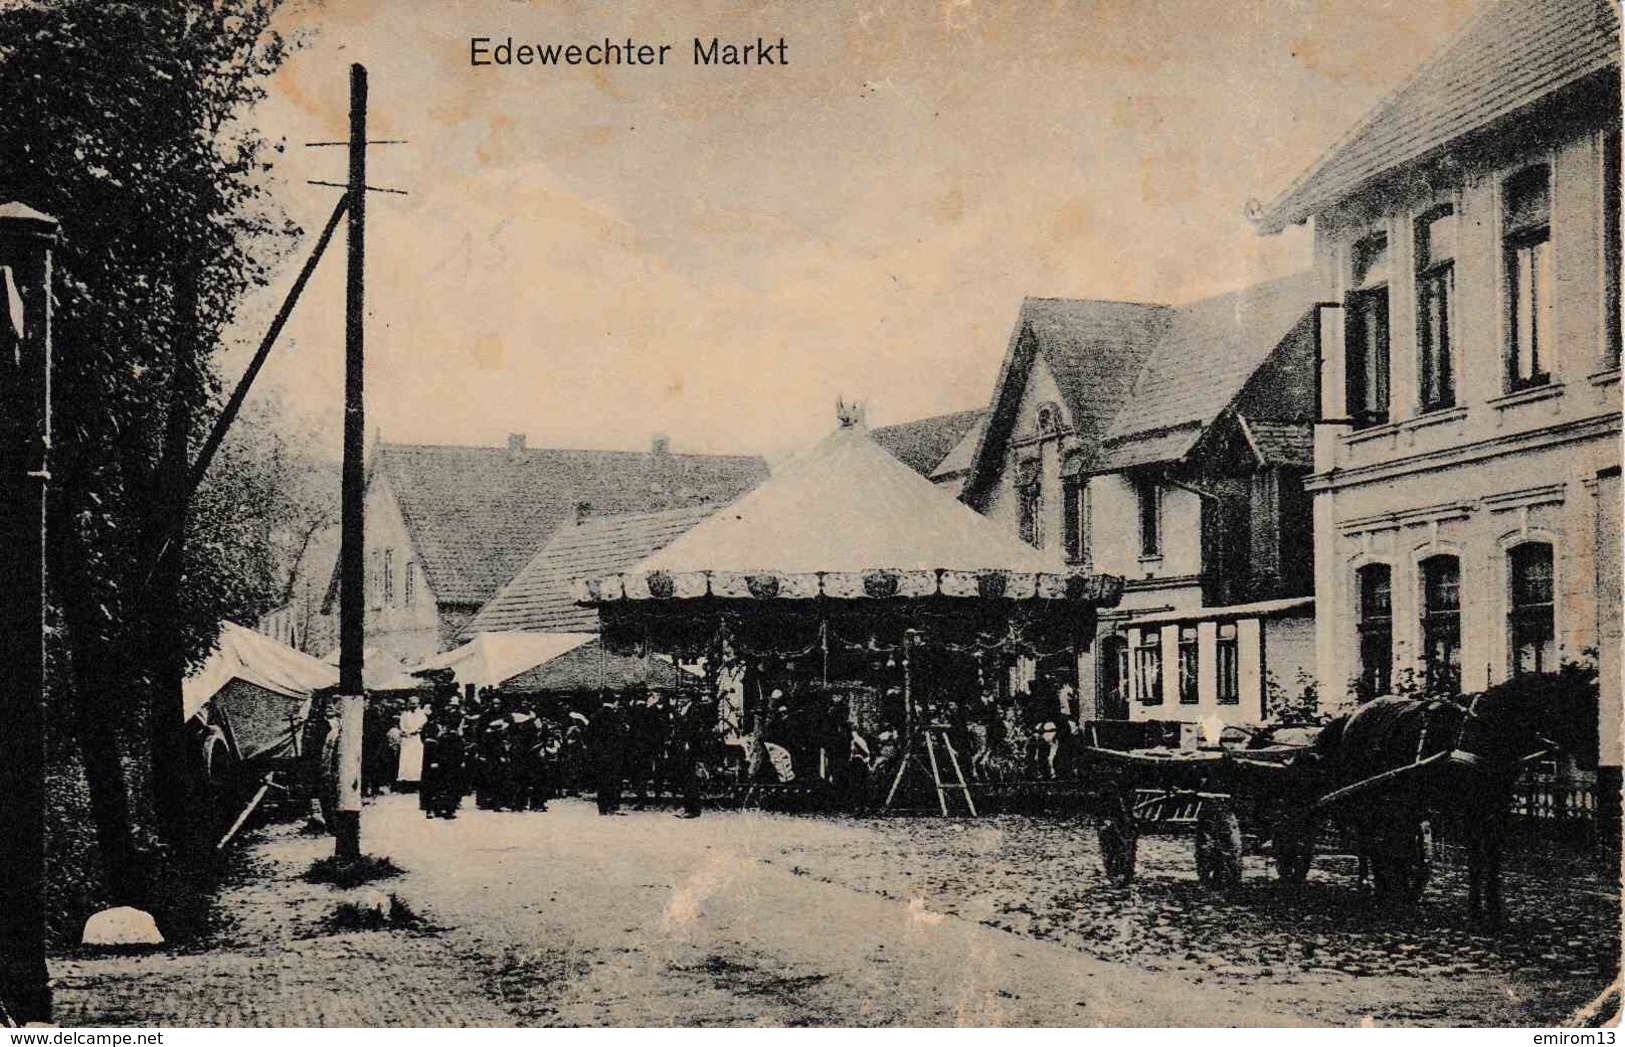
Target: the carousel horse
pixel 1397 765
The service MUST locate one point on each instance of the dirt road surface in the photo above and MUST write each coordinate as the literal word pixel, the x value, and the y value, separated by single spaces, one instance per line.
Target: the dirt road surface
pixel 751 918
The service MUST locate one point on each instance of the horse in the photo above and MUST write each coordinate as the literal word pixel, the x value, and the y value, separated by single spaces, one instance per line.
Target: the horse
pixel 1446 760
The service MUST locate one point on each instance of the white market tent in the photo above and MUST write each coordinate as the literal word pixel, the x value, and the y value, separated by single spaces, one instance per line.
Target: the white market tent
pixel 257 690
pixel 380 670
pixel 249 657
pixel 492 659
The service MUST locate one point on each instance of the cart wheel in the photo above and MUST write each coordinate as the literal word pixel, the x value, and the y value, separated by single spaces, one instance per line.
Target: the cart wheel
pixel 1218 845
pixel 1119 841
pixel 1294 853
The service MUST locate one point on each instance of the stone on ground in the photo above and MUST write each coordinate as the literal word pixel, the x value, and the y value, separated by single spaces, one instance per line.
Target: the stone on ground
pixel 123 925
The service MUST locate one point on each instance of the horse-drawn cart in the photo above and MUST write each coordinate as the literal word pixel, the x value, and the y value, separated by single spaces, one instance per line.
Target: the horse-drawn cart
pixel 1237 802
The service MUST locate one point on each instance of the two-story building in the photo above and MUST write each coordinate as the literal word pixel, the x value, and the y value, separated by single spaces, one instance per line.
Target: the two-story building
pixel 1167 444
pixel 1466 483
pixel 447 526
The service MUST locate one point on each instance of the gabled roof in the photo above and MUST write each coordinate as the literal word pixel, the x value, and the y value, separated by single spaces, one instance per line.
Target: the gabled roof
pixel 923 444
pixel 845 505
pixel 1208 352
pixel 1512 55
pixel 538 598
pixel 477 514
pixel 1093 348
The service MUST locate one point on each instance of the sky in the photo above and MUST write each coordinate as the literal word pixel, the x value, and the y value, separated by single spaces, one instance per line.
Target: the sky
pixel 594 256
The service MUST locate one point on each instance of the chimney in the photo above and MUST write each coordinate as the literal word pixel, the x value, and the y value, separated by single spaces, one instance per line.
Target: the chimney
pixel 661 444
pixel 516 446
pixel 583 510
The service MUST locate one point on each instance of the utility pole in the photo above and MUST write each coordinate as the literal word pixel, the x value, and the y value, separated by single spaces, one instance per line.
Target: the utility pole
pixel 352 526
pixel 26 239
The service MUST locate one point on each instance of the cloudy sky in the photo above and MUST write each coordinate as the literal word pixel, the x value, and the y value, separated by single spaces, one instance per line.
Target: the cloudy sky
pixel 591 256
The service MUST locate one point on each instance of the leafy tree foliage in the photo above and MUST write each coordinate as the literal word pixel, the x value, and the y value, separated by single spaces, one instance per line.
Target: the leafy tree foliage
pixel 126 121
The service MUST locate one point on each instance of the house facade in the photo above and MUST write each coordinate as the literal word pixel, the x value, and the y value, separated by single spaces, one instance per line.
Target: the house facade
pixel 447 527
pixel 1466 472
pixel 1166 445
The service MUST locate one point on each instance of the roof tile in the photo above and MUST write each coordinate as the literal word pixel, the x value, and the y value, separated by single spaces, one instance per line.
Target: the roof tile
pixel 477 514
pixel 1515 53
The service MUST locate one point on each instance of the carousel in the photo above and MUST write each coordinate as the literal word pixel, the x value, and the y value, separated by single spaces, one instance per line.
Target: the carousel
pixel 856 622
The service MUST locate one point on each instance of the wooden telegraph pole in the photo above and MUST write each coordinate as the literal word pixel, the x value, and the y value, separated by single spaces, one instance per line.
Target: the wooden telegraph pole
pixel 352 528
pixel 26 239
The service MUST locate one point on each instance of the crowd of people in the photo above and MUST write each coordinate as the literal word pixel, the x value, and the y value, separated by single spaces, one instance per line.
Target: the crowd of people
pixel 515 752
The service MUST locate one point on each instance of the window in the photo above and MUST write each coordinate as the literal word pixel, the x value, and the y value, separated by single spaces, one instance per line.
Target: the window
pixel 1526 207
pixel 1367 365
pixel 1441 624
pixel 1611 246
pixel 1530 623
pixel 1030 496
pixel 389 577
pixel 1188 654
pixel 1228 651
pixel 1075 494
pixel 1150 497
pixel 1114 677
pixel 1376 582
pixel 1148 668
pixel 1435 283
pixel 411 584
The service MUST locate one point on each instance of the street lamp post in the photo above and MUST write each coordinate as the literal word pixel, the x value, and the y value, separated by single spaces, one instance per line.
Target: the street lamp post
pixel 26 240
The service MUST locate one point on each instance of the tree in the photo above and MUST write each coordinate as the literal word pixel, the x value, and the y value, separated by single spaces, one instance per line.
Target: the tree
pixel 125 120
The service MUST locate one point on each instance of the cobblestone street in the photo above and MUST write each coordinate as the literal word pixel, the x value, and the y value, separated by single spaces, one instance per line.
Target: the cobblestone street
pixel 566 918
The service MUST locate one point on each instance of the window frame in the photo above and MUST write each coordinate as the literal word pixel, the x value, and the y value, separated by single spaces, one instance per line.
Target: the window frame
pixel 1535 239
pixel 1519 614
pixel 1030 503
pixel 1190 660
pixel 1376 675
pixel 1438 623
pixel 1148 508
pixel 1368 296
pixel 1075 521
pixel 1227 663
pixel 1435 278
pixel 1148 655
pixel 1611 248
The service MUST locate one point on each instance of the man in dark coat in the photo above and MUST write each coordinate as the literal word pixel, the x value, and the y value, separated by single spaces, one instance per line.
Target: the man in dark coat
pixel 693 731
pixel 606 752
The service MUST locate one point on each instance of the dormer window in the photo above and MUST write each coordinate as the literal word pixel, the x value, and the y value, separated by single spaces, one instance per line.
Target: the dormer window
pixel 1526 216
pixel 1366 338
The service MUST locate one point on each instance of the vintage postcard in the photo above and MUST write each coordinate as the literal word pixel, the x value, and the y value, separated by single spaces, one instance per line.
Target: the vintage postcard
pixel 848 514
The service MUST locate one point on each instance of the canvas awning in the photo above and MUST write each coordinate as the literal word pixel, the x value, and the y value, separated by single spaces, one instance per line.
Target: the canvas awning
pixel 244 655
pixel 258 691
pixel 492 659
pixel 380 671
pixel 846 520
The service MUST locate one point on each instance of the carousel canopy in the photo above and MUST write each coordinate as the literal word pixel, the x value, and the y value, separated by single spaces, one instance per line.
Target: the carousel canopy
pixel 257 660
pixel 492 659
pixel 845 519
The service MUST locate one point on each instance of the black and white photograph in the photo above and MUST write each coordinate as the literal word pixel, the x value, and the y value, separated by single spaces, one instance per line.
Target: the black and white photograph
pixel 854 514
